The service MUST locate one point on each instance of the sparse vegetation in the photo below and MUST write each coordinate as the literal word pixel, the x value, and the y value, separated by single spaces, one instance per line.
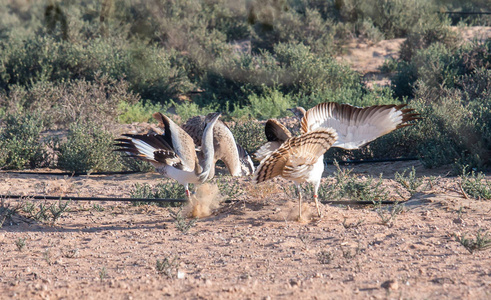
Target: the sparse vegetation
pixel 325 257
pixel 7 211
pixel 228 187
pixel 482 241
pixel 348 252
pixel 388 216
pixel 47 256
pixel 167 190
pixel 410 182
pixel 98 207
pixel 168 266
pixel 476 185
pixel 181 222
pixel 20 243
pixel 352 187
pixel 103 273
pixel 46 212
pixel 353 224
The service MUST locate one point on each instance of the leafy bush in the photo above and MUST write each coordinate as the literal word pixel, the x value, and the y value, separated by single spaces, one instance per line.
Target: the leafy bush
pixel 88 148
pixel 186 110
pixel 250 135
pixel 73 101
pixel 427 34
pixel 138 112
pixel 167 190
pixel 272 104
pixel 292 69
pixel 148 69
pixel 393 18
pixel 440 65
pixel 451 130
pixel 20 144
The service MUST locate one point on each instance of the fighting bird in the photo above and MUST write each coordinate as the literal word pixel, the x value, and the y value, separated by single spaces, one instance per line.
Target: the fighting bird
pixel 173 153
pixel 235 157
pixel 324 126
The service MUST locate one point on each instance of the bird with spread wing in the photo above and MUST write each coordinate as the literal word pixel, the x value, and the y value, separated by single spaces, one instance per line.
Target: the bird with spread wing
pixel 325 125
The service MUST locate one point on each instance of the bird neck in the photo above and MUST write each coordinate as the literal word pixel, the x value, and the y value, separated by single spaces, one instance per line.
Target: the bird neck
pixel 208 151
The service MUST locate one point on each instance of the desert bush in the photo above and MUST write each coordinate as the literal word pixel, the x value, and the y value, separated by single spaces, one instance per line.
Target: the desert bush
pixel 148 69
pixel 393 18
pixel 80 100
pixel 186 110
pixel 46 212
pixel 475 185
pixel 451 131
pixel 7 211
pixel 138 112
pixel 250 135
pixel 426 34
pixel 290 22
pixel 292 69
pixel 20 144
pixel 166 190
pixel 88 148
pixel 272 104
pixel 440 65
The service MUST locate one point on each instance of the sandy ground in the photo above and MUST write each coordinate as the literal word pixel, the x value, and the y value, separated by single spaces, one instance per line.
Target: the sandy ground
pixel 253 248
pixel 249 249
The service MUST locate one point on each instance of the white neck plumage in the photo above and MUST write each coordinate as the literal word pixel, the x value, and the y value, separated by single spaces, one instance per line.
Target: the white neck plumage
pixel 207 146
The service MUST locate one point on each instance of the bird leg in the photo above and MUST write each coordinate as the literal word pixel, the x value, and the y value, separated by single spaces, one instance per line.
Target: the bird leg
pixel 317 205
pixel 299 203
pixel 316 188
pixel 186 187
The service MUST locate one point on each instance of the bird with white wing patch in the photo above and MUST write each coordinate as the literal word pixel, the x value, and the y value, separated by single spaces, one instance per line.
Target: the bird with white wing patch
pixel 324 126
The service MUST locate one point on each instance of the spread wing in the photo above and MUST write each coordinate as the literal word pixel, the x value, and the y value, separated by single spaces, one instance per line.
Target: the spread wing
pixel 276 134
pixel 149 147
pixel 295 158
pixel 357 126
pixel 179 141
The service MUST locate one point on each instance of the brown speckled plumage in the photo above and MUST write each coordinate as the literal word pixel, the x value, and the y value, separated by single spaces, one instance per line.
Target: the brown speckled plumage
pixel 236 159
pixel 323 126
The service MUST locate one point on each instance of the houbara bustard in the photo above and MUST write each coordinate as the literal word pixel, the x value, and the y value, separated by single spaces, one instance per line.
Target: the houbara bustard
pixel 235 157
pixel 173 154
pixel 323 126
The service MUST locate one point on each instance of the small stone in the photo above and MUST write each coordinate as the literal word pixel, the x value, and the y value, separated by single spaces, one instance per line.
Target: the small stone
pixel 391 285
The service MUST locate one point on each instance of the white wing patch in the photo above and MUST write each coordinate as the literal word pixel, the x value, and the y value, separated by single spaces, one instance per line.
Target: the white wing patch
pixel 355 126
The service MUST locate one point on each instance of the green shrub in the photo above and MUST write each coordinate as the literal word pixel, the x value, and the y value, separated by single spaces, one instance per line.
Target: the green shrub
pixel 427 34
pixel 293 69
pixel 393 18
pixel 272 104
pixel 148 69
pixel 186 110
pixel 138 112
pixel 294 22
pixel 250 135
pixel 20 142
pixel 72 101
pixel 451 130
pixel 88 148
pixel 166 190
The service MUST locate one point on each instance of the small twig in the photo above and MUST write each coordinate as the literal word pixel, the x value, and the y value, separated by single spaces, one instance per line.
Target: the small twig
pixel 462 190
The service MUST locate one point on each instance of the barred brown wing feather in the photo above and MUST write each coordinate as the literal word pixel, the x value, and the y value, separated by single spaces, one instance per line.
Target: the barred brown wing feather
pixel 275 131
pixel 357 126
pixel 296 155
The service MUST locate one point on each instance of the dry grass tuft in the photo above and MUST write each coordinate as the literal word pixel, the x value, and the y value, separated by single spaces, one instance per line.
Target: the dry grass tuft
pixel 204 201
